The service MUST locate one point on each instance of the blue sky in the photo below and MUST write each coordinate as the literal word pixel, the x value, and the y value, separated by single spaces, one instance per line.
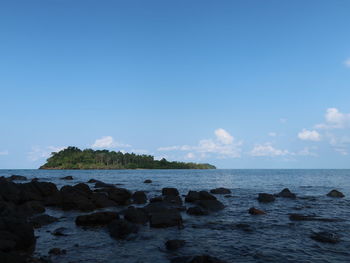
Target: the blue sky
pixel 239 84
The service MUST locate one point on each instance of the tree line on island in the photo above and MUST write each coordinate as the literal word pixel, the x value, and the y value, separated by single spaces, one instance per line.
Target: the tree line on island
pixel 75 158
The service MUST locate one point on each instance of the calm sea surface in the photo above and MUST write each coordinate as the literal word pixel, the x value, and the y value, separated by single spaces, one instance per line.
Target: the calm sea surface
pixel 269 238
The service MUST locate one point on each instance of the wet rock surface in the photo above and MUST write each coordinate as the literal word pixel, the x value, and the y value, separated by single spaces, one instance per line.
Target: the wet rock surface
pixel 335 193
pixel 220 191
pixel 266 198
pixel 286 193
pixel 326 237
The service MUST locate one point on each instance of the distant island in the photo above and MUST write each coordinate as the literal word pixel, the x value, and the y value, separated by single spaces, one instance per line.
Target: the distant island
pixel 74 158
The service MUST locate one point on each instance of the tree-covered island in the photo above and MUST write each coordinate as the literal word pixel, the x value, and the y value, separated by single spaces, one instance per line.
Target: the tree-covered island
pixel 74 158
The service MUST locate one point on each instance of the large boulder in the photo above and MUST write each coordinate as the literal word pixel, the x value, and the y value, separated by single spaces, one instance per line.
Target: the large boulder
pixel 197 211
pixel 166 218
pixel 15 177
pixel 286 193
pixel 136 215
pixel 9 191
pixel 194 196
pixel 335 193
pixel 265 198
pixel 76 198
pixel 211 205
pixel 96 219
pixel 121 229
pixel 101 200
pixel 119 195
pixel 100 184
pixel 170 191
pixel 139 197
pixel 30 208
pixel 220 191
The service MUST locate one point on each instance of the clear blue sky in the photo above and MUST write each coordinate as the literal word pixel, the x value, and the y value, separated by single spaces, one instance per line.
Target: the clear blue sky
pixel 240 84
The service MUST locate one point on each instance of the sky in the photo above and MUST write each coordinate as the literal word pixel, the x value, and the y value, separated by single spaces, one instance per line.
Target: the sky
pixel 238 84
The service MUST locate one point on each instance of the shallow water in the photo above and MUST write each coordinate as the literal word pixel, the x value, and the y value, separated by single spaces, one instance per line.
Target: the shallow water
pixel 269 238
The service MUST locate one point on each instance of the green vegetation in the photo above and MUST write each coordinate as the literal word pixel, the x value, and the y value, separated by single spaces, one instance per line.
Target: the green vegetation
pixel 74 158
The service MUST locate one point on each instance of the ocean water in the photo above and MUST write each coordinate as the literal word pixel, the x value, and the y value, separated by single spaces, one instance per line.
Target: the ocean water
pixel 231 234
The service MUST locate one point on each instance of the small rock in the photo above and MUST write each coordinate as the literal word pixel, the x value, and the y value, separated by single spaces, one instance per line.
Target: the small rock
pixel 211 205
pixel 166 218
pixel 254 211
pixel 148 181
pixel 59 231
pixel 326 237
pixel 286 193
pixel 96 219
pixel 265 198
pixel 120 229
pixel 69 177
pixel 220 191
pixel 57 251
pixel 100 184
pixel 136 215
pixel 174 244
pixel 170 191
pixel 335 193
pixel 93 181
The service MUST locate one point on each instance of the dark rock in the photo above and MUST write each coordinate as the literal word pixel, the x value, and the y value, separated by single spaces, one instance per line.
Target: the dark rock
pixel 76 198
pixel 204 195
pixel 119 195
pixel 166 218
pixel 57 251
pixel 139 197
pixel 266 198
pixel 136 215
pixel 211 205
pixel 69 177
pixel 172 200
pixel 254 211
pixel 170 191
pixel 12 257
pixel 42 220
pixel 156 199
pixel 9 191
pixel 197 211
pixel 60 231
pixel 220 191
pixel 101 200
pixel 286 193
pixel 174 244
pixel 326 237
pixel 96 219
pixel 335 193
pixel 121 229
pixel 17 178
pixel 83 188
pixel 30 208
pixel 148 181
pixel 193 196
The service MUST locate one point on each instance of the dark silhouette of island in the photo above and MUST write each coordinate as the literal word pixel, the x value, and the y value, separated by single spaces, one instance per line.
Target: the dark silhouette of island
pixel 74 158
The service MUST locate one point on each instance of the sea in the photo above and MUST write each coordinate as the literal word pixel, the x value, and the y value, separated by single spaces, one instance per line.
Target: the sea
pixel 232 234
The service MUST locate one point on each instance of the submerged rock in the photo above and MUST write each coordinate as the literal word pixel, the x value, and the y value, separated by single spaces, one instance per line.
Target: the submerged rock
pixel 326 237
pixel 121 229
pixel 220 191
pixel 60 231
pixel 286 193
pixel 96 219
pixel 57 251
pixel 174 244
pixel 69 177
pixel 197 259
pixel 93 181
pixel 300 217
pixel 148 181
pixel 255 211
pixel 265 198
pixel 335 193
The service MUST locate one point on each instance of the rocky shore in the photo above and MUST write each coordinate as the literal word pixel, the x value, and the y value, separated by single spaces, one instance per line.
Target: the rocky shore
pixel 23 204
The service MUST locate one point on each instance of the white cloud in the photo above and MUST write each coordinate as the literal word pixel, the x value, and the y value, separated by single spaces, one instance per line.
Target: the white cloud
pixel 223 136
pixel 308 135
pixel 334 119
pixel 38 153
pixel 272 134
pixel 347 63
pixel 108 142
pixel 223 146
pixel 4 153
pixel 307 152
pixel 267 150
pixel 190 155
